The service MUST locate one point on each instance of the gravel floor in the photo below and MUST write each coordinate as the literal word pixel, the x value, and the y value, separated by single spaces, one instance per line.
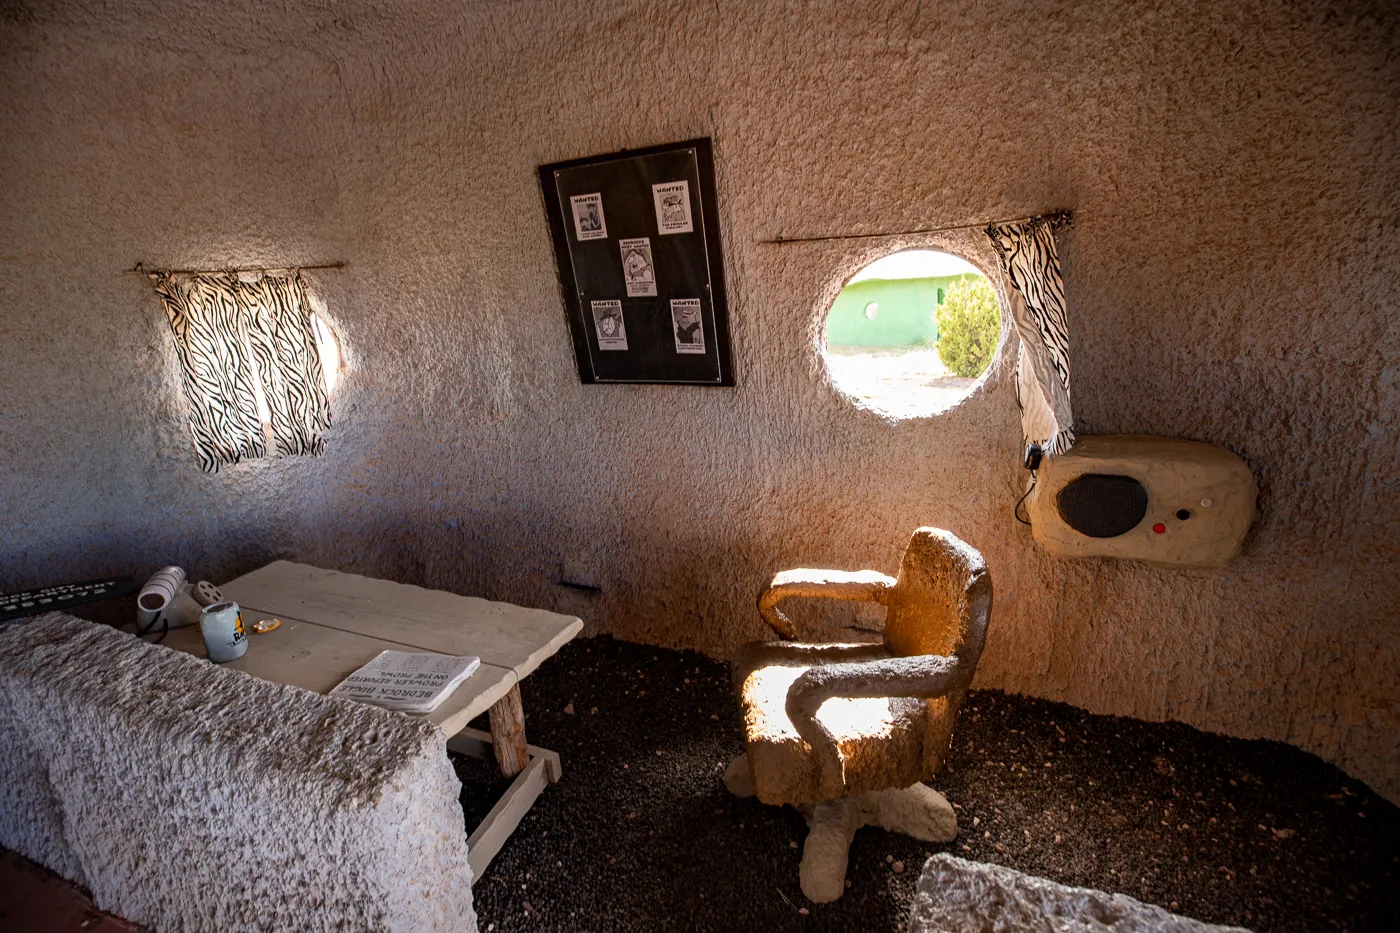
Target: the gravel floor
pixel 640 835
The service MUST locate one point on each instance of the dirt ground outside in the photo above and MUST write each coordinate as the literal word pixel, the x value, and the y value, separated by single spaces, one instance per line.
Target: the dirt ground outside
pixel 903 382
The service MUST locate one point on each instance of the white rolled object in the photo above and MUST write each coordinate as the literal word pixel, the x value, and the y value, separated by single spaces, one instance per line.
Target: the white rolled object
pixel 183 610
pixel 188 603
pixel 156 595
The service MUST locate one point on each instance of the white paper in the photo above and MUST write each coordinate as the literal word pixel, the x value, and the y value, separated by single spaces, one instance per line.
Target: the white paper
pixel 685 320
pixel 607 321
pixel 407 681
pixel 589 222
pixel 672 200
pixel 637 269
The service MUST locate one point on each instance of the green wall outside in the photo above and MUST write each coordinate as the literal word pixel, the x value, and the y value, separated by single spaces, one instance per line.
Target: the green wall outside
pixel 905 316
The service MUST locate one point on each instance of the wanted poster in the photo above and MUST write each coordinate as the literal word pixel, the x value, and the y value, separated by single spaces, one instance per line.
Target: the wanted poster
pixel 685 319
pixel 638 270
pixel 589 223
pixel 607 320
pixel 672 201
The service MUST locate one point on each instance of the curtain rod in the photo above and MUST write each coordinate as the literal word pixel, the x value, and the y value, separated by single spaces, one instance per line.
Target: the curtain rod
pixel 1056 217
pixel 140 269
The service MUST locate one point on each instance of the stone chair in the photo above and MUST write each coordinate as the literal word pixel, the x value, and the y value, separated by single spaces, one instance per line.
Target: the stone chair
pixel 846 733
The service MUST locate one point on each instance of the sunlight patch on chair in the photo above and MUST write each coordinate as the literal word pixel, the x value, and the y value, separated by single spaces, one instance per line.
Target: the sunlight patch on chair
pixel 847 719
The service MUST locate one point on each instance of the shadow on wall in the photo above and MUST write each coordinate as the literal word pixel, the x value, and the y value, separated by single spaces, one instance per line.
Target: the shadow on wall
pixel 105 551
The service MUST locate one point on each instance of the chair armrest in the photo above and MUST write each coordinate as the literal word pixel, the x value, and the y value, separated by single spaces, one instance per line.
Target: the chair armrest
pixel 924 676
pixel 867 586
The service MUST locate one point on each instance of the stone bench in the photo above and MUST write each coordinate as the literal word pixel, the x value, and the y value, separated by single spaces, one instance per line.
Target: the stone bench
pixel 188 797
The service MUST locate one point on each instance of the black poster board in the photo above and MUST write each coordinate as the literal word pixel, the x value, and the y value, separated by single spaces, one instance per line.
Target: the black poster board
pixel 636 234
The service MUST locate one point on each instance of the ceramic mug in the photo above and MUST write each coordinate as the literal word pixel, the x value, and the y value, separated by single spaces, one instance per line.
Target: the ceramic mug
pixel 225 639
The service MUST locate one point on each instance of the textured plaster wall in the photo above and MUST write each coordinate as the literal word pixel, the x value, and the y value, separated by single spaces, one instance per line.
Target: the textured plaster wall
pixel 1231 278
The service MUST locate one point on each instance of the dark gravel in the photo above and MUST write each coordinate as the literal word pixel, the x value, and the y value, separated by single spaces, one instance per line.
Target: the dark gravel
pixel 640 835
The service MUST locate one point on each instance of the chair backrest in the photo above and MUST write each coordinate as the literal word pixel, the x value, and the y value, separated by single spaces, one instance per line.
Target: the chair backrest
pixel 942 599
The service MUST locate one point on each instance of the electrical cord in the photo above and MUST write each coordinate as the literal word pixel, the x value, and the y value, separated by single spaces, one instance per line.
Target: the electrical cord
pixel 1034 454
pixel 150 630
pixel 1017 510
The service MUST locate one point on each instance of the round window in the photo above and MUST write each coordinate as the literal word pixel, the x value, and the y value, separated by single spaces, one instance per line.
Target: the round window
pixel 911 333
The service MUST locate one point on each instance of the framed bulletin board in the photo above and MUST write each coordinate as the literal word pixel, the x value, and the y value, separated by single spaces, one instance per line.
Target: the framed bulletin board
pixel 636 235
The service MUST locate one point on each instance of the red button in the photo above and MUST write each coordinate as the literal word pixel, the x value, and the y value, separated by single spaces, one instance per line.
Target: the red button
pixel 1160 528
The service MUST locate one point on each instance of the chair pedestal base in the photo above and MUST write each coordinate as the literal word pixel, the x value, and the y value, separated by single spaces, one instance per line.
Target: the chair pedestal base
pixel 918 811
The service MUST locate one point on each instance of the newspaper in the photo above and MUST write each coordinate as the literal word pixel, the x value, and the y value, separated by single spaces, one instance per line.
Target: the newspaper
pixel 407 682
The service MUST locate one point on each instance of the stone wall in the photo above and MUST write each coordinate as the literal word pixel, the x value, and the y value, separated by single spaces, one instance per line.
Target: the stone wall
pixel 1230 277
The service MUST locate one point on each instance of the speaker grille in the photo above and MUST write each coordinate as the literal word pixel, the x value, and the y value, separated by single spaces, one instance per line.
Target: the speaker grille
pixel 1102 505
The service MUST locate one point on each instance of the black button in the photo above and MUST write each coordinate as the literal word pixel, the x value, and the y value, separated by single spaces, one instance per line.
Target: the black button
pixel 1183 514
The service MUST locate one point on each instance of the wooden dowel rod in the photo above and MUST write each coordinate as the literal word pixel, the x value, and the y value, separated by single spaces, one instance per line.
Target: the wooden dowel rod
pixel 1053 217
pixel 140 269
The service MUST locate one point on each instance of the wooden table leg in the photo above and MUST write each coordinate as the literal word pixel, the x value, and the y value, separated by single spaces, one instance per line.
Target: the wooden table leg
pixel 508 733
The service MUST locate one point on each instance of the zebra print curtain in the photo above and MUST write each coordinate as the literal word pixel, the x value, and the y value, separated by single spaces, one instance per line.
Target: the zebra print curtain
pixel 284 346
pixel 1030 266
pixel 238 342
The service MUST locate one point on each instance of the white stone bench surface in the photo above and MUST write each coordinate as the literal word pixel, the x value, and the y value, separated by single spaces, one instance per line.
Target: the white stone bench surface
pixel 187 797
